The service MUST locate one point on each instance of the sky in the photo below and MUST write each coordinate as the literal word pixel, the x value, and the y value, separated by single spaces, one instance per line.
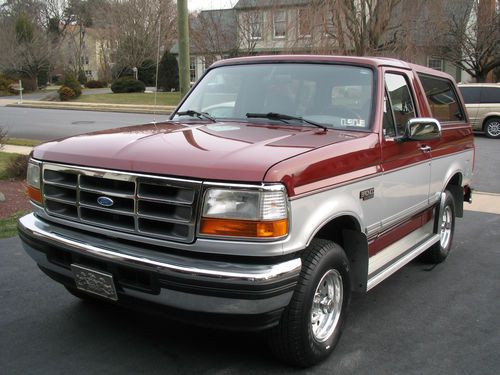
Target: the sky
pixel 210 4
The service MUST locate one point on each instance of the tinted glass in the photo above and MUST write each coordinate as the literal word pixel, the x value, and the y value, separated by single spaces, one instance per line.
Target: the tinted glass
pixel 400 100
pixel 470 94
pixel 442 98
pixel 490 95
pixel 336 96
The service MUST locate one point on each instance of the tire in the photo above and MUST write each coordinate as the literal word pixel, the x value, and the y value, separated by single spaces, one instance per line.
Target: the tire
pixel 312 323
pixel 492 127
pixel 440 250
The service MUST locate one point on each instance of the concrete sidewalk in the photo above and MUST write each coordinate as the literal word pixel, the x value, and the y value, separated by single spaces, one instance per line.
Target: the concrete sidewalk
pixel 100 107
pixel 484 202
pixel 24 150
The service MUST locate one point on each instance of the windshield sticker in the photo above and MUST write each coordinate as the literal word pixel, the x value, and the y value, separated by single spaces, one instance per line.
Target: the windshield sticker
pixel 223 128
pixel 360 123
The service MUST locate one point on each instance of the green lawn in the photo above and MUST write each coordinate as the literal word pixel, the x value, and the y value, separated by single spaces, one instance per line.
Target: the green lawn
pixel 22 142
pixel 8 226
pixel 4 161
pixel 162 98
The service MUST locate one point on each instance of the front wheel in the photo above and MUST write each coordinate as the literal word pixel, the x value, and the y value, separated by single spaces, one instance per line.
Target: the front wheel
pixel 312 323
pixel 492 127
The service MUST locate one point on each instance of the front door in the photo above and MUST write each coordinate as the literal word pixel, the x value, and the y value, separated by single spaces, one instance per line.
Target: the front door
pixel 406 165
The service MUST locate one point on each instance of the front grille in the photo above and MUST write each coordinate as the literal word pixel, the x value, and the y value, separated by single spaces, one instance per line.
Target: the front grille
pixel 146 205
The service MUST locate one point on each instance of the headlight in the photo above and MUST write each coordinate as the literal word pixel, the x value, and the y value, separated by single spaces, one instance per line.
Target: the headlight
pixel 33 181
pixel 244 213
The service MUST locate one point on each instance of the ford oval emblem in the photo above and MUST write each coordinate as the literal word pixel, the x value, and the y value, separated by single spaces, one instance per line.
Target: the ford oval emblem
pixel 105 201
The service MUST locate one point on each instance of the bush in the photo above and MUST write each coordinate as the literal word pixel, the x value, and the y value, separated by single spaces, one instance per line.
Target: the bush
pixel 17 167
pixel 5 83
pixel 56 79
pixel 29 84
pixel 71 82
pixel 43 77
pixel 147 72
pixel 168 73
pixel 14 88
pixel 3 137
pixel 120 71
pixel 93 84
pixel 82 77
pixel 66 94
pixel 127 84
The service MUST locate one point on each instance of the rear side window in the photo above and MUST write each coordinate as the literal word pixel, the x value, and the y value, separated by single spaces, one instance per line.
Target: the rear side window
pixel 490 95
pixel 471 94
pixel 442 98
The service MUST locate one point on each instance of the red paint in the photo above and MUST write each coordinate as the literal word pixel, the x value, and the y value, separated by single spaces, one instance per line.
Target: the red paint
pixel 305 159
pixel 193 150
pixel 399 231
pixel 358 156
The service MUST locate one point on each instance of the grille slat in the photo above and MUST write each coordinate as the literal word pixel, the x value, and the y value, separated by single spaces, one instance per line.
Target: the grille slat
pixel 106 192
pixel 146 205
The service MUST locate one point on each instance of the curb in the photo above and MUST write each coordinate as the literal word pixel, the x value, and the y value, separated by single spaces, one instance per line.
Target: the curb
pixel 123 108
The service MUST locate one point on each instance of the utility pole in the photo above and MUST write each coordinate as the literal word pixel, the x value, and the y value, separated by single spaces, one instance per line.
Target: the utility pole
pixel 183 29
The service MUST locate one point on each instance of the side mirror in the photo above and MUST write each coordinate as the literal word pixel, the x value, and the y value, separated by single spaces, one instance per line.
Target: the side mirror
pixel 422 129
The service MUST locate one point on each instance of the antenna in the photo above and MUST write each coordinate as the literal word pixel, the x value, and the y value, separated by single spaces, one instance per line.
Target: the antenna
pixel 157 69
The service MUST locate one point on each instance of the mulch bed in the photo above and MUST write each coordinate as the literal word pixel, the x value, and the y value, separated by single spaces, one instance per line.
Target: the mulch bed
pixel 15 198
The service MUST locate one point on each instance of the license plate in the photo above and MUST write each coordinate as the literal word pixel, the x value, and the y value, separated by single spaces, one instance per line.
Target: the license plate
pixel 95 282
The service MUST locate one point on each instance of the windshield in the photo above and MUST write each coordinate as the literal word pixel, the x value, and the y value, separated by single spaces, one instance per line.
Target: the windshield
pixel 336 96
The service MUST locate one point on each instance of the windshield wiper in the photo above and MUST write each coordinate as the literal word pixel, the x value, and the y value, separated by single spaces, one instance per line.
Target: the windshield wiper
pixel 192 113
pixel 283 117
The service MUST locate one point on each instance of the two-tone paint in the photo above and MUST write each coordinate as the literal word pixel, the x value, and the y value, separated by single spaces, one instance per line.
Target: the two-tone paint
pixel 376 196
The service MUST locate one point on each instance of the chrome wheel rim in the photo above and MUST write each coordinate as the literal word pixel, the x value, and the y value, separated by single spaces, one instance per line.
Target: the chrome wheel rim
pixel 327 305
pixel 446 224
pixel 494 128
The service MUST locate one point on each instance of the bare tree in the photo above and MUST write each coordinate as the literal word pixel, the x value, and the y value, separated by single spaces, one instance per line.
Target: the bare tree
pixel 132 26
pixel 250 26
pixel 213 33
pixel 26 47
pixel 473 39
pixel 364 27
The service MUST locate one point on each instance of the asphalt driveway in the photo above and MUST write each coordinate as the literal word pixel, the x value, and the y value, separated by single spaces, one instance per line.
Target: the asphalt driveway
pixel 422 320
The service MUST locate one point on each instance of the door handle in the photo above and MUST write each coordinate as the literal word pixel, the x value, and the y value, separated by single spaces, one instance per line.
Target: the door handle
pixel 425 148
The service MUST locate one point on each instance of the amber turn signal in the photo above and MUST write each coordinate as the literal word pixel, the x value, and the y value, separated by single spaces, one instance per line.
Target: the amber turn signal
pixel 244 228
pixel 34 194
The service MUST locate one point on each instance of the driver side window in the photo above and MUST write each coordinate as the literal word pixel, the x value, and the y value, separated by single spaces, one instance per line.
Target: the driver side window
pixel 399 107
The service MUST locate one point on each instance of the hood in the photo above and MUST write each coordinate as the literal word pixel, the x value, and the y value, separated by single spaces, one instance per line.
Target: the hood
pixel 220 151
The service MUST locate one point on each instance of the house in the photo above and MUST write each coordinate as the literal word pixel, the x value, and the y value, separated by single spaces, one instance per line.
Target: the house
pixel 213 36
pixel 86 49
pixel 413 30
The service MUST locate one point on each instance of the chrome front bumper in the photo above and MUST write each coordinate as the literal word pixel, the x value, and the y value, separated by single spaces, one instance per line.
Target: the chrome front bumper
pixel 231 288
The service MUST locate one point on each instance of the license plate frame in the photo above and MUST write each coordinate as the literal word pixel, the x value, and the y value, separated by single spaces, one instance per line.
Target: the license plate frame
pixel 94 282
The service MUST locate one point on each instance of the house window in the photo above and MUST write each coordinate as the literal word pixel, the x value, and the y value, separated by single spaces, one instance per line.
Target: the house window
pixel 84 60
pixel 434 63
pixel 279 24
pixel 305 22
pixel 255 25
pixel 192 69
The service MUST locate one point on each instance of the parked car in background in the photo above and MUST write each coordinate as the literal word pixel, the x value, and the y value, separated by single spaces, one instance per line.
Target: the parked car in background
pixel 482 101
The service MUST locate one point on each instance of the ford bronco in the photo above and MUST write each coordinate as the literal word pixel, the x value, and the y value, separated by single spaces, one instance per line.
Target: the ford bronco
pixel 279 186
